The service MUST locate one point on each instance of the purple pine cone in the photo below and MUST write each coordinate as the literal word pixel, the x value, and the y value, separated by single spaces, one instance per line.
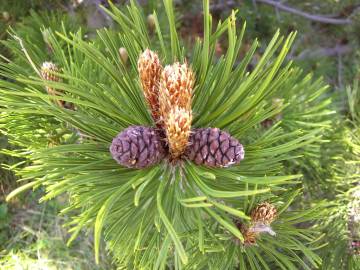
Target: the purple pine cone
pixel 138 147
pixel 214 148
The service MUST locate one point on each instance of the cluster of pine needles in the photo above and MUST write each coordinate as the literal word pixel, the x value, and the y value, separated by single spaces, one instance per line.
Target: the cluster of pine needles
pixel 180 159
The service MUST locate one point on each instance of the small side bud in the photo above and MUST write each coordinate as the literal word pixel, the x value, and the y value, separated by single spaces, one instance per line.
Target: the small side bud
pixel 124 56
pixel 151 21
pixel 48 70
pixel 46 37
pixel 6 16
pixel 264 213
pixel 48 73
pixel 261 218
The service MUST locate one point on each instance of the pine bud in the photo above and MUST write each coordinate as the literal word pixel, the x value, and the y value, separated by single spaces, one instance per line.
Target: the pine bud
pixel 124 56
pixel 46 37
pixel 264 213
pixel 177 129
pixel 137 147
pixel 151 21
pixel 278 103
pixel 150 68
pixel 214 148
pixel 269 122
pixel 261 217
pixel 48 70
pixel 176 85
pixel 6 16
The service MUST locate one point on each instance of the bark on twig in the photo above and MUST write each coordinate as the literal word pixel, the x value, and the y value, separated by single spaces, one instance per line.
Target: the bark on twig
pixel 312 17
pixel 222 5
pixel 323 52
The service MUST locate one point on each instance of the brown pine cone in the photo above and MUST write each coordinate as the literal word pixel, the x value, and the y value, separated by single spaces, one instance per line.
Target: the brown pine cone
pixel 138 147
pixel 213 148
pixel 263 213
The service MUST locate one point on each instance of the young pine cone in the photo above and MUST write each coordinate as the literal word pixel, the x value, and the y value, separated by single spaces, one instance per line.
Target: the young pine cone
pixel 264 213
pixel 150 69
pixel 137 147
pixel 47 73
pixel 213 148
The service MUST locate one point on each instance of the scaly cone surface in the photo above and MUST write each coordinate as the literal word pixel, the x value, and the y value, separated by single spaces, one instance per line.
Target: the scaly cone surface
pixel 137 147
pixel 214 148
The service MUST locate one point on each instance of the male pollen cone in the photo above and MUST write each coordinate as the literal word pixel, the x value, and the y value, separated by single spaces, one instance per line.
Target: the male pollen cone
pixel 150 69
pixel 177 129
pixel 176 85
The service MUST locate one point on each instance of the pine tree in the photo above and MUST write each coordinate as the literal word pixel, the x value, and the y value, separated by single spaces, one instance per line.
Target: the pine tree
pixel 165 209
pixel 32 35
pixel 341 171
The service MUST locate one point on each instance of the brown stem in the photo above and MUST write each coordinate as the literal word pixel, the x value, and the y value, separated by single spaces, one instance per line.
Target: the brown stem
pixel 312 17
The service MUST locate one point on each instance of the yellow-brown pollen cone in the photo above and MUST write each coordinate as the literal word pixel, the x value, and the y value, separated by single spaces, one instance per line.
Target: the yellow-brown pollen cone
pixel 175 96
pixel 176 85
pixel 177 128
pixel 149 68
